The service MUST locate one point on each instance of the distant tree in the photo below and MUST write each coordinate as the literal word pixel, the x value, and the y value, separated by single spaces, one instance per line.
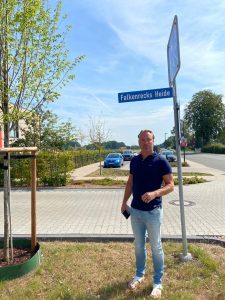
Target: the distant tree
pixel 81 136
pixel 170 142
pixel 98 135
pixel 113 145
pixel 134 147
pixel 90 147
pixel 205 115
pixel 33 65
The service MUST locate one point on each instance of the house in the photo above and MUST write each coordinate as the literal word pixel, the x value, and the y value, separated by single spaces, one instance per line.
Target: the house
pixel 15 132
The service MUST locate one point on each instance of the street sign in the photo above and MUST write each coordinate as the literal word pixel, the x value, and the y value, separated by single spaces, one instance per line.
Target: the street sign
pixel 183 142
pixel 173 52
pixel 145 95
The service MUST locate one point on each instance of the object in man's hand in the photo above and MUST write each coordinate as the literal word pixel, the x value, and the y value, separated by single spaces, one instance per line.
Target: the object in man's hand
pixel 126 214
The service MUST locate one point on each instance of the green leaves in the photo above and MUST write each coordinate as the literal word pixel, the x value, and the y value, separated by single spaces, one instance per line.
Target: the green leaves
pixel 205 114
pixel 34 60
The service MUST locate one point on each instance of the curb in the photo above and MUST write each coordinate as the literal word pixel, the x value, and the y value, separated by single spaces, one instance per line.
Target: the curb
pixel 119 238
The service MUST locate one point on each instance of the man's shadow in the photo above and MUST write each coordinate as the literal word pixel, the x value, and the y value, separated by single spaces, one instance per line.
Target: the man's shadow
pixel 118 290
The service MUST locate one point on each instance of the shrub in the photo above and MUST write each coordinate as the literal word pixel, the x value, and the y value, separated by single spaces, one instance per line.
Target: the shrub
pixel 190 180
pixel 53 168
pixel 214 148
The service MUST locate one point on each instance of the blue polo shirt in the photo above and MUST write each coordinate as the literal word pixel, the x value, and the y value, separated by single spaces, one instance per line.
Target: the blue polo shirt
pixel 147 177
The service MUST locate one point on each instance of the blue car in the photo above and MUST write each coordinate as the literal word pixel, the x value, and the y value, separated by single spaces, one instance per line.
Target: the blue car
pixel 113 160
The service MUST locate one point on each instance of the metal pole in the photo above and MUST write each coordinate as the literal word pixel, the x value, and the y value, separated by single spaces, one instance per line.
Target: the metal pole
pixel 33 203
pixel 185 256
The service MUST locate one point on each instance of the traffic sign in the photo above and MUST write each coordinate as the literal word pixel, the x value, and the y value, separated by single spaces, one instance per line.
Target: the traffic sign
pixel 145 95
pixel 173 52
pixel 183 142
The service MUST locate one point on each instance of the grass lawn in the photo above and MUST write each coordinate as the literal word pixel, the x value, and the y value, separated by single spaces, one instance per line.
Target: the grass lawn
pixel 111 172
pixel 108 178
pixel 86 271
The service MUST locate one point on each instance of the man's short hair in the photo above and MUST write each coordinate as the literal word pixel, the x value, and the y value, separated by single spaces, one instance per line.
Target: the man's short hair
pixel 146 130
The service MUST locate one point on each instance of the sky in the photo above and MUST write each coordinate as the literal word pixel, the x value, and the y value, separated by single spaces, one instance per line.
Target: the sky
pixel 125 48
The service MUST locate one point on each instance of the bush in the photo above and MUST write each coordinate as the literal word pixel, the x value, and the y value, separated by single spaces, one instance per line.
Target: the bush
pixel 214 148
pixel 190 180
pixel 53 168
pixel 86 157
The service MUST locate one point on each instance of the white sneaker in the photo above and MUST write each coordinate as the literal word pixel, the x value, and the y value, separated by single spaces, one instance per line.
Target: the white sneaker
pixel 157 291
pixel 135 281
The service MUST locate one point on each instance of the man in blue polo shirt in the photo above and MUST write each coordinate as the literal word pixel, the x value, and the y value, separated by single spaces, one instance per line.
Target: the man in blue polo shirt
pixel 150 178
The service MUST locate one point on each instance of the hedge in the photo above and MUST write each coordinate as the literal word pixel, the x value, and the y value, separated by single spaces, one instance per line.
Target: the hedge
pixel 214 148
pixel 53 167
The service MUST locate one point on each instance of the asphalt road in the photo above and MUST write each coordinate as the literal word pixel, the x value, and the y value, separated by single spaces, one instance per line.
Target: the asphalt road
pixel 215 161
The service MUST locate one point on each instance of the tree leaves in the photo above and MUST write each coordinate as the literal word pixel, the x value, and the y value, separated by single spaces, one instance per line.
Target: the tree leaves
pixel 205 114
pixel 33 55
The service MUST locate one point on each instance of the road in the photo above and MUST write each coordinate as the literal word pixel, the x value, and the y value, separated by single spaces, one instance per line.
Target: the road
pixel 215 161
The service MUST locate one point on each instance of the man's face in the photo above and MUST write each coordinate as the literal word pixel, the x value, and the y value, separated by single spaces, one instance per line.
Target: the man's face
pixel 146 142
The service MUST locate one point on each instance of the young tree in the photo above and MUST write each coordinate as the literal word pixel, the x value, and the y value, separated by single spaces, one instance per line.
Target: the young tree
pixel 205 115
pixel 33 66
pixel 98 135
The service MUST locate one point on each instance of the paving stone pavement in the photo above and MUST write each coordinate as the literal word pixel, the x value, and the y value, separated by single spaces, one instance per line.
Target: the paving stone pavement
pixel 96 212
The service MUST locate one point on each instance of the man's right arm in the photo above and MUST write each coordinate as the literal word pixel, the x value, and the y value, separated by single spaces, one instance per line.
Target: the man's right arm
pixel 127 193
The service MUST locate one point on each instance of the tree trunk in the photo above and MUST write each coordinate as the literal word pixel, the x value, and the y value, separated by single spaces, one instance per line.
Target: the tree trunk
pixel 5 110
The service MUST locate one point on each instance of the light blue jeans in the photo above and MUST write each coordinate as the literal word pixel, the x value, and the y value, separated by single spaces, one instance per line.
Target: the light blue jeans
pixel 143 223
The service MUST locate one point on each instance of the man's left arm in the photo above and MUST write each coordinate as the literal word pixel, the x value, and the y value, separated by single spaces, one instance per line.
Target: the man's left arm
pixel 167 188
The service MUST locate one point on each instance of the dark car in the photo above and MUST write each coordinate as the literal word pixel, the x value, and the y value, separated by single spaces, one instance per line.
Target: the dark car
pixel 169 155
pixel 113 160
pixel 128 154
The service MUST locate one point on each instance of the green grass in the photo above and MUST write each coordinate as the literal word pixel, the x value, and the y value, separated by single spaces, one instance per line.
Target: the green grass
pixel 194 174
pixel 105 182
pixel 190 180
pixel 118 172
pixel 110 182
pixel 109 178
pixel 86 271
pixel 109 172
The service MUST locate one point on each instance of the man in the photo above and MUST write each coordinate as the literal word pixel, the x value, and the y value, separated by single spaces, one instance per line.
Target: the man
pixel 150 178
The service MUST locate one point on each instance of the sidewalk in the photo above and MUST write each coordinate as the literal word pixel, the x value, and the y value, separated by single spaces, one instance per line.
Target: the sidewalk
pixel 95 213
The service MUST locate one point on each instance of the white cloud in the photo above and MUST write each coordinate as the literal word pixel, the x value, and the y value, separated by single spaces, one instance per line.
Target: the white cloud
pixel 128 52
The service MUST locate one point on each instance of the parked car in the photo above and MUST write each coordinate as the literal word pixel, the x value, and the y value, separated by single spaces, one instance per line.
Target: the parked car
pixel 128 154
pixel 169 155
pixel 113 160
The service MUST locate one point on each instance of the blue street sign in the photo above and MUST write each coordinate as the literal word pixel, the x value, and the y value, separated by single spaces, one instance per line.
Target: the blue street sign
pixel 145 95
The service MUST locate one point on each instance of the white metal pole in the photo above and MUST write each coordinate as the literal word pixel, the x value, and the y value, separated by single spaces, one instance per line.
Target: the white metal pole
pixel 185 256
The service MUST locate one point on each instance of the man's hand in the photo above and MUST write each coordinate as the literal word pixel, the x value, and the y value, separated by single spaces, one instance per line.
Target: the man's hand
pixel 124 207
pixel 148 197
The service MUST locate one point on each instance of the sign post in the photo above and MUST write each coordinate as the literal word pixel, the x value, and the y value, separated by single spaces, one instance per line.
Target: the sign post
pixel 173 59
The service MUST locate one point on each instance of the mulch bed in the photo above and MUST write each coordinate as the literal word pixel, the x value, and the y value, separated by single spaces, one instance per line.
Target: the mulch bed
pixel 19 256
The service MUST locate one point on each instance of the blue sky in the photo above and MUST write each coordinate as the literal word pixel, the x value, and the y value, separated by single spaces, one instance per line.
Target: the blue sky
pixel 125 44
